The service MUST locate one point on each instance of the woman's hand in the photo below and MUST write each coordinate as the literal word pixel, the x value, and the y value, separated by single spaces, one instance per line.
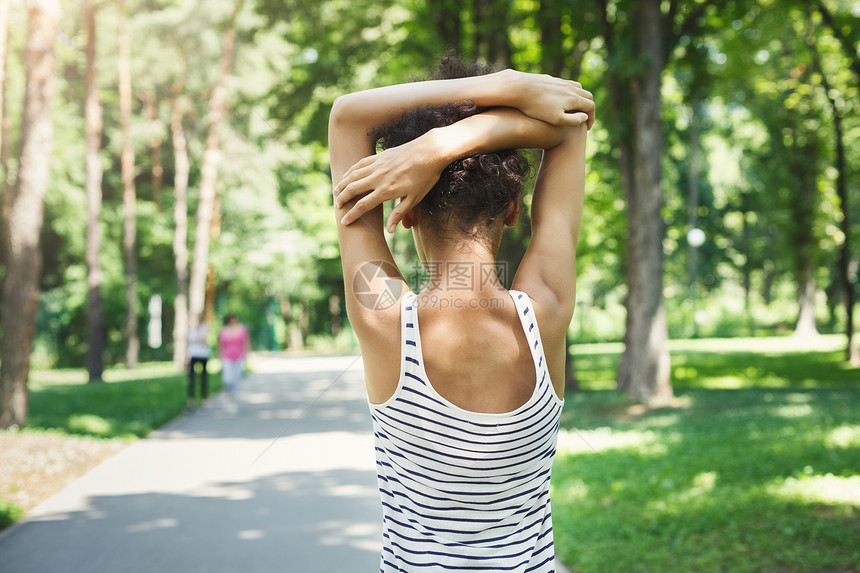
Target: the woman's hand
pixel 555 101
pixel 406 172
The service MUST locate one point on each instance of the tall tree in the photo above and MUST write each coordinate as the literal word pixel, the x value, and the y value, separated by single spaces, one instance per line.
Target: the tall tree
pixel 852 353
pixel 4 132
pixel 21 285
pixel 209 171
pixel 644 369
pixel 803 205
pixel 180 230
pixel 129 196
pixel 95 277
pixel 639 38
pixel 150 103
pixel 4 35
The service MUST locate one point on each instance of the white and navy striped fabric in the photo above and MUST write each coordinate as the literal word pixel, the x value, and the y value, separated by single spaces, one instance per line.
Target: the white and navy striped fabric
pixel 465 491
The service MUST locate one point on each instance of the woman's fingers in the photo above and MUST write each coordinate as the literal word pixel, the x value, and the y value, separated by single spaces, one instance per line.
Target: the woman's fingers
pixel 362 206
pixel 397 214
pixel 573 119
pixel 351 186
pixel 581 105
pixel 352 190
pixel 584 93
pixel 581 117
pixel 393 219
pixel 361 170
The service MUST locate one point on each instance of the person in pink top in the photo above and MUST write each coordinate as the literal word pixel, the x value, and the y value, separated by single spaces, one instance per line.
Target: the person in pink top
pixel 233 346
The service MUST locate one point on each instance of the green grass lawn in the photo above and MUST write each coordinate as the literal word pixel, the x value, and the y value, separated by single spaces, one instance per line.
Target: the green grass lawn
pixel 128 405
pixel 754 469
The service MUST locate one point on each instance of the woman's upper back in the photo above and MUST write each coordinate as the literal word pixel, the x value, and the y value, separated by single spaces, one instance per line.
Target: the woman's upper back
pixel 476 353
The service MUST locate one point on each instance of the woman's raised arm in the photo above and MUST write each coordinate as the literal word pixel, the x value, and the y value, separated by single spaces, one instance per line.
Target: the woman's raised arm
pixel 408 172
pixel 543 102
pixel 548 269
pixel 552 100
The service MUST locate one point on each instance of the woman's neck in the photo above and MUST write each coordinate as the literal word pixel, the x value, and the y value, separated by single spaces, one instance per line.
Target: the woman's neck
pixel 468 268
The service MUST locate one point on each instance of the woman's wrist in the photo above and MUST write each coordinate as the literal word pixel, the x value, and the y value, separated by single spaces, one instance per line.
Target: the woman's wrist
pixel 499 128
pixel 440 148
pixel 513 85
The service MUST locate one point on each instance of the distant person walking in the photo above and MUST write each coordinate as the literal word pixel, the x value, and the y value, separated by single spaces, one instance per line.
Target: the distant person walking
pixel 233 346
pixel 198 353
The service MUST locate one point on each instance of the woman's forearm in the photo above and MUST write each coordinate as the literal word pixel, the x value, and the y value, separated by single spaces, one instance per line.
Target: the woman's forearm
pixel 493 130
pixel 374 107
pixel 552 100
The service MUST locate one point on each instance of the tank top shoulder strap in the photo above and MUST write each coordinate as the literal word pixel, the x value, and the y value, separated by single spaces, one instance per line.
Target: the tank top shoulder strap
pixel 526 312
pixel 410 342
pixel 408 326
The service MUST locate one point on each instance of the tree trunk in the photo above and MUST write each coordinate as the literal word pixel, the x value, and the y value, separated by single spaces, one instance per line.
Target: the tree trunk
pixel 644 369
pixel 479 35
pixel 211 293
pixel 619 107
pixel 151 104
pixel 5 185
pixel 852 353
pixel 805 245
pixel 491 24
pixel 693 215
pixel 805 326
pixel 21 287
pixel 180 230
pixel 747 269
pixel 209 173
pixel 129 196
pixel 445 15
pixel 93 129
pixel 304 322
pixel 551 38
pixel 4 36
pixel 769 279
pixel 294 336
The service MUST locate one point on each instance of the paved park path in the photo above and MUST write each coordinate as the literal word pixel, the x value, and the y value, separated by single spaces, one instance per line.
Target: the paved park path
pixel 286 485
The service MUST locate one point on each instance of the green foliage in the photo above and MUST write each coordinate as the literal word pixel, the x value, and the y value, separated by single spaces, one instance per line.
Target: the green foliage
pixel 9 513
pixel 741 71
pixel 759 478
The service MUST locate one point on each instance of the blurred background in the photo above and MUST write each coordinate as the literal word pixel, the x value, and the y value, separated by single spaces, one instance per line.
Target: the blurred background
pixel 756 145
pixel 166 159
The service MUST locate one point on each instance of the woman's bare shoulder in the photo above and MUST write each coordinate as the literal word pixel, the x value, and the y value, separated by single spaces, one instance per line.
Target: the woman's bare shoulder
pixel 380 349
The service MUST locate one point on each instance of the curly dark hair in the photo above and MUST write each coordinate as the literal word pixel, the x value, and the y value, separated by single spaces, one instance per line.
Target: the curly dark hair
pixel 474 191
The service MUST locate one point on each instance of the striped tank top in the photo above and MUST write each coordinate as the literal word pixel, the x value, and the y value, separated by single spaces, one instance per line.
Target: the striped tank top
pixel 464 491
